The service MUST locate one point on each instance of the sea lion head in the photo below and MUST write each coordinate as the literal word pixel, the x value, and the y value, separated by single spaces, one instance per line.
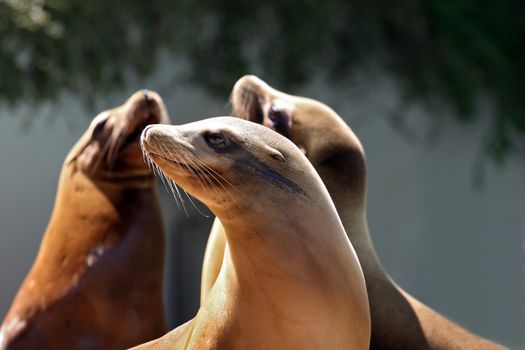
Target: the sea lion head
pixel 110 148
pixel 331 146
pixel 219 159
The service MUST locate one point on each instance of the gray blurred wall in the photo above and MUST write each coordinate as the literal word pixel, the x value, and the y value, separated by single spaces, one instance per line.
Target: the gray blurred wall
pixel 458 248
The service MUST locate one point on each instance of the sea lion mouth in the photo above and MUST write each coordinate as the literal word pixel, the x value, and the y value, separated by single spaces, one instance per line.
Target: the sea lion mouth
pixel 134 136
pixel 184 166
pixel 112 148
pixel 145 110
pixel 141 110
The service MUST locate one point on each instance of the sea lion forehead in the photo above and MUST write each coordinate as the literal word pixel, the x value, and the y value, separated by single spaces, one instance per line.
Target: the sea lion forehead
pixel 241 131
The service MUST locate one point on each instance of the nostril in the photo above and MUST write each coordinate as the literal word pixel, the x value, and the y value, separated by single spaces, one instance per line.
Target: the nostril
pixel 146 94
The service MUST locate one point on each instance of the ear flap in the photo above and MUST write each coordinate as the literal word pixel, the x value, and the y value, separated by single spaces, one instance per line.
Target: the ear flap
pixel 275 154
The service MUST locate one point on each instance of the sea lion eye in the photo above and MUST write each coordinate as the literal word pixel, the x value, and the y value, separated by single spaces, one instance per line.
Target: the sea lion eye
pixel 280 121
pixel 215 139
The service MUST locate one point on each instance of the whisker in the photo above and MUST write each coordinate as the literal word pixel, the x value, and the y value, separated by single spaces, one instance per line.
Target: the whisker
pixel 214 174
pixel 211 176
pixel 202 178
pixel 206 176
pixel 165 181
pixel 146 159
pixel 189 158
pixel 173 186
pixel 194 205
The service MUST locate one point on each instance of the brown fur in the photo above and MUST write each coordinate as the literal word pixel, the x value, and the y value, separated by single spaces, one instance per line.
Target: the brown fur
pixel 289 278
pixel 97 280
pixel 399 321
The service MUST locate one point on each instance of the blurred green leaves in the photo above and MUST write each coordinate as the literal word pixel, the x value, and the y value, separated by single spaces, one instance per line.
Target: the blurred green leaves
pixel 441 52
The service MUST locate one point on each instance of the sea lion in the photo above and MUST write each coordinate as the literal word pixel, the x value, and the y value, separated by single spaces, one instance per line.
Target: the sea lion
pixel 213 258
pixel 290 277
pixel 399 321
pixel 96 282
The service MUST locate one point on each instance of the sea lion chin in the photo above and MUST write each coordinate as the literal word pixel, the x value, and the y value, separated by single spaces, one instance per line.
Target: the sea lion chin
pixel 82 291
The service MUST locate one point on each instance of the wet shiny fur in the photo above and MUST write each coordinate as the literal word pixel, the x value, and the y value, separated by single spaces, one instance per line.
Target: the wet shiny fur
pixel 399 321
pixel 96 282
pixel 290 278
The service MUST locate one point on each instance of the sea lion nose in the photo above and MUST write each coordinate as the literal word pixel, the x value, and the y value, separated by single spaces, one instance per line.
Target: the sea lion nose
pixel 146 94
pixel 144 135
pixel 143 106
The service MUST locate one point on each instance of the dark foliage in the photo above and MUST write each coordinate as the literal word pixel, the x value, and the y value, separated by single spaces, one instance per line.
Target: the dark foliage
pixel 442 52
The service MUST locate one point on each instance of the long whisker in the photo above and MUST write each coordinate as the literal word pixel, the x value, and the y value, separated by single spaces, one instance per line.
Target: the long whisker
pixel 173 186
pixel 194 205
pixel 216 177
pixel 219 179
pixel 187 159
pixel 145 157
pixel 202 177
pixel 166 181
pixel 191 159
pixel 207 177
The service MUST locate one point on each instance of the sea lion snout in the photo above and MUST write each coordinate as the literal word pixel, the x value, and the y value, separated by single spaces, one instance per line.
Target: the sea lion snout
pixel 146 137
pixel 248 97
pixel 146 106
pixel 250 82
pixel 143 136
pixel 157 138
pixel 112 142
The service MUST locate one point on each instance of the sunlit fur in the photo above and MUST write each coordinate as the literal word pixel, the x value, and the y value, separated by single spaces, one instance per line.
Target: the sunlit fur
pixel 83 291
pixel 110 149
pixel 290 277
pixel 399 321
pixel 207 177
pixel 207 173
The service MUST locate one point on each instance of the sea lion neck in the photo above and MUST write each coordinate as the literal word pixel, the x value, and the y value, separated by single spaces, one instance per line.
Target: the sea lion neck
pixel 289 252
pixel 289 286
pixel 111 180
pixel 342 167
pixel 109 202
pixel 341 164
pixel 115 182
